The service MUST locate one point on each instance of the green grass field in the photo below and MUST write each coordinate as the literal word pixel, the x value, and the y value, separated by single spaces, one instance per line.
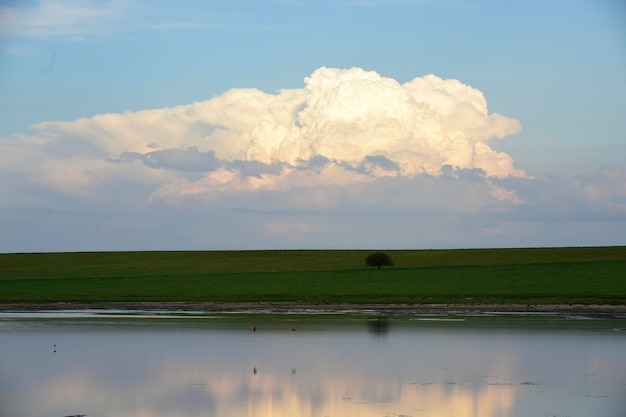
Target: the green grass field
pixel 595 275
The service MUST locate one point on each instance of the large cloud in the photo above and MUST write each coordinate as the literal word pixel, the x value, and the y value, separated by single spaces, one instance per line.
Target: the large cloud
pixel 345 126
pixel 348 115
pixel 351 159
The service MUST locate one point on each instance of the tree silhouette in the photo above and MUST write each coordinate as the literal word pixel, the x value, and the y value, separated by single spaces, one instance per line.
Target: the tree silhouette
pixel 378 259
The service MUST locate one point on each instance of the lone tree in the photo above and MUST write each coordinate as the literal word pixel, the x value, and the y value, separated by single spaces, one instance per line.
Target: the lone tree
pixel 378 259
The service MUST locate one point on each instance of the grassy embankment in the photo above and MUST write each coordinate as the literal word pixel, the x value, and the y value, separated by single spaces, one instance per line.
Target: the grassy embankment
pixel 526 276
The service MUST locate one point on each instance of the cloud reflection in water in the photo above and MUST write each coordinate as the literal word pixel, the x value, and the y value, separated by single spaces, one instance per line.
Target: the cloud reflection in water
pixel 343 370
pixel 179 388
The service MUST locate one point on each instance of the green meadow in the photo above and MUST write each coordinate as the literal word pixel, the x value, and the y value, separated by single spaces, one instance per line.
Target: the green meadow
pixel 593 275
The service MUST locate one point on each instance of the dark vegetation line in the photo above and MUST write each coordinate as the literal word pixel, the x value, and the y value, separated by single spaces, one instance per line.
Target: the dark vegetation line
pixel 592 275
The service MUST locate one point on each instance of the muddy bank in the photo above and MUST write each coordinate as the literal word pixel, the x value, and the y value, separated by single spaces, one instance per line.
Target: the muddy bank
pixel 599 311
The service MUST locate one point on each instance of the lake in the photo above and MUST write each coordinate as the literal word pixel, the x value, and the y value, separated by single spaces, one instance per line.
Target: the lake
pixel 140 364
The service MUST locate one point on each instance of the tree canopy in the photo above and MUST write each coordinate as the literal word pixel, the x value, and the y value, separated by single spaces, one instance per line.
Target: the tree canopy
pixel 378 259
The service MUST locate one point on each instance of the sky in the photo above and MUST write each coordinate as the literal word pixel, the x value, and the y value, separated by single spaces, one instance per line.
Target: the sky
pixel 328 124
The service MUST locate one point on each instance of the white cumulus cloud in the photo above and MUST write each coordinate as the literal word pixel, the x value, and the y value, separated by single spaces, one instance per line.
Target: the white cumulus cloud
pixel 343 127
pixel 347 115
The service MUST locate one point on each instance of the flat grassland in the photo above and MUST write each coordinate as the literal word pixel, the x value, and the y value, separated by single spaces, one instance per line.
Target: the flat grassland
pixel 579 275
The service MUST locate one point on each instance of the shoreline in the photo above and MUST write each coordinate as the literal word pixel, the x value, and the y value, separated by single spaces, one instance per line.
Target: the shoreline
pixel 606 311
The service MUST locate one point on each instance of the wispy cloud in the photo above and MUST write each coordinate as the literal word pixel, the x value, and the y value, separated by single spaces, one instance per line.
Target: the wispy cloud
pixel 74 19
pixel 371 3
pixel 79 20
pixel 172 25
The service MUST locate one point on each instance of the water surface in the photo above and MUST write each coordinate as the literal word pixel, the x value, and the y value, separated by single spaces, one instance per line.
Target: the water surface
pixel 164 364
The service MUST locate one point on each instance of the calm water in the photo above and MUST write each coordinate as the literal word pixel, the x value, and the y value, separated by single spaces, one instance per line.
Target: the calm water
pixel 331 365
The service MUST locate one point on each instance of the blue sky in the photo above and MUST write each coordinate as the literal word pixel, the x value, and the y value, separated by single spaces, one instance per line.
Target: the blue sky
pixel 310 169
